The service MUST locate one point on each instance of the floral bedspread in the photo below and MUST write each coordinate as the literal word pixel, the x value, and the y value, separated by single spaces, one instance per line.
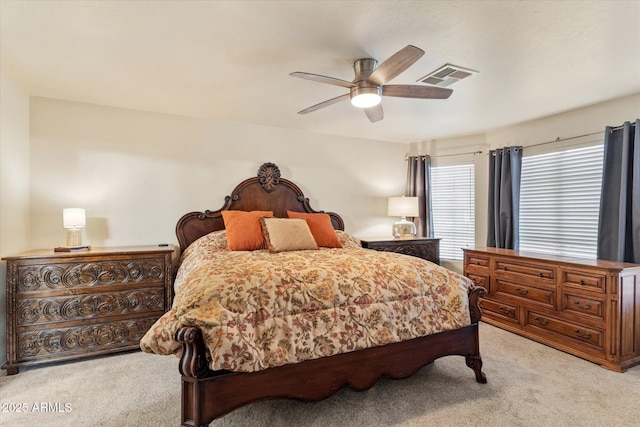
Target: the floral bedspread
pixel 259 310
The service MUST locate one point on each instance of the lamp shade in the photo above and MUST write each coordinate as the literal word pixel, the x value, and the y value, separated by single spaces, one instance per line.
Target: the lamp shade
pixel 403 206
pixel 73 217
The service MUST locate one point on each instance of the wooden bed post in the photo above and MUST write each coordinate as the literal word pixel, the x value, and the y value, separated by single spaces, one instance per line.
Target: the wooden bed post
pixel 475 361
pixel 193 366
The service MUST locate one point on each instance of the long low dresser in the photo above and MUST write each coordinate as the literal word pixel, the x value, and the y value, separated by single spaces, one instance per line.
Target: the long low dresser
pixel 588 308
pixel 69 305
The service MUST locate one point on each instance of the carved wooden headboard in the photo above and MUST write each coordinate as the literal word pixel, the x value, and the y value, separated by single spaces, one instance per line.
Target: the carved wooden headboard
pixel 265 192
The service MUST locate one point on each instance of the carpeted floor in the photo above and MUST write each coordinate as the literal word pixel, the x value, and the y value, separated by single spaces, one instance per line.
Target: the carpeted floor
pixel 529 385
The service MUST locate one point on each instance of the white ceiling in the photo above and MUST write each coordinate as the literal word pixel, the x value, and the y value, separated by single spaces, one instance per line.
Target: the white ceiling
pixel 230 60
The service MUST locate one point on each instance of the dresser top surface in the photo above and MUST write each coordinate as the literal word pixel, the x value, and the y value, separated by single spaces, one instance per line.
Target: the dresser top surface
pixel 600 263
pixel 94 251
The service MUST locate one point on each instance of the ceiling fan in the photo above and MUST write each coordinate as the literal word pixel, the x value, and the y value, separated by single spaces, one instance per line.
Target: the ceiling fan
pixel 368 86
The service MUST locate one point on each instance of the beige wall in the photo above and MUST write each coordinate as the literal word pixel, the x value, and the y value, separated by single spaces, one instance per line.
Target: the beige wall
pixel 14 183
pixel 568 124
pixel 136 173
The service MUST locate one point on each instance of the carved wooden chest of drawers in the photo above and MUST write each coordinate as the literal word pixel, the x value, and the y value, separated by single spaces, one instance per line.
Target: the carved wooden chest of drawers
pixel 589 308
pixel 420 247
pixel 63 306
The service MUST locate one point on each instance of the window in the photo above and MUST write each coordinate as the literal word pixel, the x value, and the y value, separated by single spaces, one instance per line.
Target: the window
pixel 560 202
pixel 453 201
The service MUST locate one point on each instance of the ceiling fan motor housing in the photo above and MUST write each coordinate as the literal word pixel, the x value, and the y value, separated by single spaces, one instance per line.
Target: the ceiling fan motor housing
pixel 363 68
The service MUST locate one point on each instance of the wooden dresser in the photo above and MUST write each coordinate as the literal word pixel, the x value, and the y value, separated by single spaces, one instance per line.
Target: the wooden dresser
pixel 420 247
pixel 69 305
pixel 589 308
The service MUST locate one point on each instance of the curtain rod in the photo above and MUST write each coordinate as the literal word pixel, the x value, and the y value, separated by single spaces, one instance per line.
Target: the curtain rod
pixel 533 145
pixel 445 155
pixel 567 139
pixel 574 137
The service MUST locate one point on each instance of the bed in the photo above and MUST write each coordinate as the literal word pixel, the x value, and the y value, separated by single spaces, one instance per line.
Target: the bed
pixel 317 308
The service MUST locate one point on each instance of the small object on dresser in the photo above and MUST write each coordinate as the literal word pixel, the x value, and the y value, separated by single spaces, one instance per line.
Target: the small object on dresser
pixel 72 248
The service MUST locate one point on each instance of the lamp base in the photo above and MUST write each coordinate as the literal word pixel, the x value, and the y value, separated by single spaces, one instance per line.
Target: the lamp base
pixel 404 229
pixel 74 237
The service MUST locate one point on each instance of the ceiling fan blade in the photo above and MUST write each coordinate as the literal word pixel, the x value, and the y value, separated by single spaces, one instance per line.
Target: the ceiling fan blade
pixel 323 79
pixel 396 64
pixel 414 91
pixel 375 114
pixel 325 104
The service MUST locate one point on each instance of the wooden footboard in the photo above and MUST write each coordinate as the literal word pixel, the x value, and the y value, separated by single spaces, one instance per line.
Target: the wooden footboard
pixel 207 395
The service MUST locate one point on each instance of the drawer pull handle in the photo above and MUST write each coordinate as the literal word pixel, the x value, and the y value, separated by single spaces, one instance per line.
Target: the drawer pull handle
pixel 587 306
pixel 540 274
pixel 581 281
pixel 584 336
pixel 505 310
pixel 543 322
pixel 477 262
pixel 522 291
pixel 504 268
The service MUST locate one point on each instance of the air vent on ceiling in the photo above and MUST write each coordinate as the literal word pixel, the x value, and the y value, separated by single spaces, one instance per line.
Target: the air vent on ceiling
pixel 447 75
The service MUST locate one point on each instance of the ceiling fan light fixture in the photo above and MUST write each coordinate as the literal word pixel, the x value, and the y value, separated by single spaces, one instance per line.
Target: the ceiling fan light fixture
pixel 366 97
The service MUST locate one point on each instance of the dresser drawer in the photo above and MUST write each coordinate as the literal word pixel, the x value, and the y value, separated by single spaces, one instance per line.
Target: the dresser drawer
pixel 584 279
pixel 583 306
pixel 529 273
pixel 93 338
pixel 546 297
pixel 503 310
pixel 589 336
pixel 479 280
pixel 32 311
pixel 73 275
pixel 476 260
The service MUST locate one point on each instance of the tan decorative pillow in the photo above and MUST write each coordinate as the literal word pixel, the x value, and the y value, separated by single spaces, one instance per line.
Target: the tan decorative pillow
pixel 287 234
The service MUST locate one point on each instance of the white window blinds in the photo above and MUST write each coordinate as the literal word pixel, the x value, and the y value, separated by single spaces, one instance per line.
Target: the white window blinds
pixel 453 204
pixel 559 202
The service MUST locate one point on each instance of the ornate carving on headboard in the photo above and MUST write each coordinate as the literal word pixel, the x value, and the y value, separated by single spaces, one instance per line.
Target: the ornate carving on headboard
pixel 269 176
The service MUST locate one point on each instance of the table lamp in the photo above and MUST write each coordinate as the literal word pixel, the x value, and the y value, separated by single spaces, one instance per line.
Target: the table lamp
pixel 74 220
pixel 403 207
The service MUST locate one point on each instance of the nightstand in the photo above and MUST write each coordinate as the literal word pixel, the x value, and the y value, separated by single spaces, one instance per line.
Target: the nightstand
pixel 420 247
pixel 71 305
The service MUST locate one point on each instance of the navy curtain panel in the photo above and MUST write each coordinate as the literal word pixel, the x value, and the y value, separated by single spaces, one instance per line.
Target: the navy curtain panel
pixel 505 169
pixel 419 185
pixel 619 221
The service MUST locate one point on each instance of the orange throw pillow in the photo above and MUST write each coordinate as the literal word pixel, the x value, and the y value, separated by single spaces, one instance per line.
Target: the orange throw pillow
pixel 244 232
pixel 321 228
